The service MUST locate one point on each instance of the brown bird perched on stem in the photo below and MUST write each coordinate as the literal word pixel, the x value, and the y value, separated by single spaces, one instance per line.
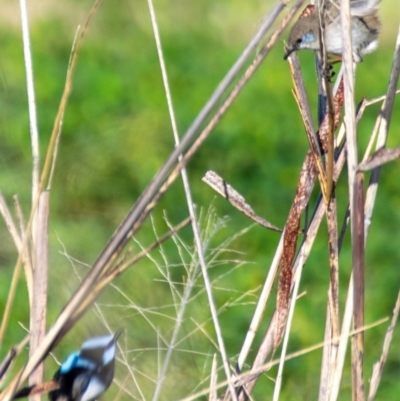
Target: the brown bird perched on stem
pixel 365 26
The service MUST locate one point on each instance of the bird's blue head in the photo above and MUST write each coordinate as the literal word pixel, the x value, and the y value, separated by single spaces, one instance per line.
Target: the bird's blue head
pixel 87 373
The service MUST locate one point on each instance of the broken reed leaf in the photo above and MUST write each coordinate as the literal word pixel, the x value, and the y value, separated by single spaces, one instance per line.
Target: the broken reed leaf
pixel 235 199
pixel 305 186
pixel 380 157
pixel 308 175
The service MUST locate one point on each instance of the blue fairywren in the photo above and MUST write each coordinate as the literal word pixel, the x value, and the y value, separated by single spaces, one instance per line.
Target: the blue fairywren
pixel 365 26
pixel 86 374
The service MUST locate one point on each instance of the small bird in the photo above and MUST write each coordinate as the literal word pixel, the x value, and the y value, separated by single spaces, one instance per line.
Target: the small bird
pixel 365 27
pixel 86 374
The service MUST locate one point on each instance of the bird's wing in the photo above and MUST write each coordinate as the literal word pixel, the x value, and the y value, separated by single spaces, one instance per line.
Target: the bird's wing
pixel 358 8
pixel 80 385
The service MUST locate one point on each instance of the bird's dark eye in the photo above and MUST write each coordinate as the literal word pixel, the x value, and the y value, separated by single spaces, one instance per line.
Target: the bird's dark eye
pixel 298 41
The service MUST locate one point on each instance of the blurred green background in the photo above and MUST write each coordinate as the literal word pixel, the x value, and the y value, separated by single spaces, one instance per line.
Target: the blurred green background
pixel 117 134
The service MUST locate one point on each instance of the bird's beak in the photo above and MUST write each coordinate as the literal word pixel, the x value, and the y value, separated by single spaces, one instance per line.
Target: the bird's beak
pixel 117 334
pixel 289 51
